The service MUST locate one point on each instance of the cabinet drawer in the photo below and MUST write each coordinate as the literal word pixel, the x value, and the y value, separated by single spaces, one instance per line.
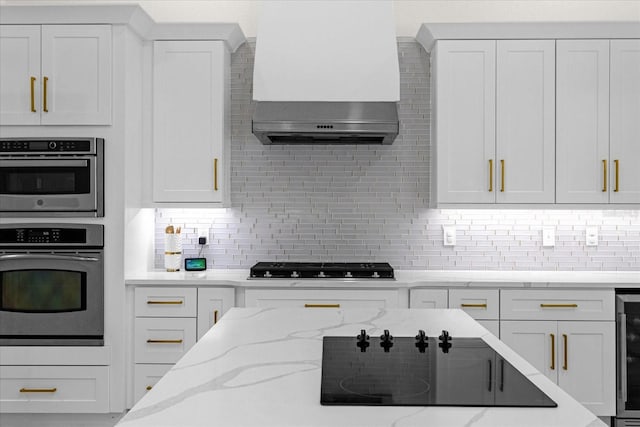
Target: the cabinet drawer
pixel 145 377
pixel 321 298
pixel 428 298
pixel 557 305
pixel 54 389
pixel 159 340
pixel 166 302
pixel 478 303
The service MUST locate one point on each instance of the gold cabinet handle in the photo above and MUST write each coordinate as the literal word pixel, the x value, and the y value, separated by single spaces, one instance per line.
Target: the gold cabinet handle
pixel 44 95
pixel 502 175
pixel 33 94
pixel 215 174
pixel 566 351
pixel 473 305
pixel 553 352
pixel 604 176
pixel 150 302
pixel 558 305
pixel 215 316
pixel 149 387
pixel 490 175
pixel 38 390
pixel 164 341
pixel 617 165
pixel 322 306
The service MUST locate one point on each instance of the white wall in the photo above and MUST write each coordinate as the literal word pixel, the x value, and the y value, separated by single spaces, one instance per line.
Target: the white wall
pixel 409 13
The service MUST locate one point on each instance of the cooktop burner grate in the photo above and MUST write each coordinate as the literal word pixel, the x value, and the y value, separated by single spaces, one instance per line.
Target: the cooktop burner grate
pixel 322 270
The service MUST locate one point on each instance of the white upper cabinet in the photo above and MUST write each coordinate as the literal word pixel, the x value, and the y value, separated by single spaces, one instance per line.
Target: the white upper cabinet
pixel 525 121
pixel 495 121
pixel 190 122
pixel 55 74
pixel 624 142
pixel 464 116
pixel 582 139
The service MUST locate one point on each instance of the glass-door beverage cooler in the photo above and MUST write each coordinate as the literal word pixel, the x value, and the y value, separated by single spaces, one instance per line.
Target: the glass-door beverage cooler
pixel 628 366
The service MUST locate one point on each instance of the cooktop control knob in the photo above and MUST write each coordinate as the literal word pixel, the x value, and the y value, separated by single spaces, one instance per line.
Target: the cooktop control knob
pixel 375 275
pixel 267 274
pixel 386 341
pixel 421 341
pixel 295 275
pixel 363 341
pixel 445 345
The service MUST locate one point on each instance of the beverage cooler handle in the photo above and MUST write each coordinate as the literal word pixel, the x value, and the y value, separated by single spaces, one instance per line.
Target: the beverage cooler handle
pixel 623 356
pixel 8 257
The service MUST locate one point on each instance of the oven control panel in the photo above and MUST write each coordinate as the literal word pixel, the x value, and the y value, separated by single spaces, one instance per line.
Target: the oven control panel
pixel 25 146
pixel 42 236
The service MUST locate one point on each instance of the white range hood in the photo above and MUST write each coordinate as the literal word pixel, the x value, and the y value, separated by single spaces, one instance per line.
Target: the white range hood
pixel 334 64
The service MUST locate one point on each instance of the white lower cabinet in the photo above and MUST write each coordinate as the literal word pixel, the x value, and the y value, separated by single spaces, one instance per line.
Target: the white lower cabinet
pixel 38 389
pixel 322 298
pixel 168 322
pixel 570 338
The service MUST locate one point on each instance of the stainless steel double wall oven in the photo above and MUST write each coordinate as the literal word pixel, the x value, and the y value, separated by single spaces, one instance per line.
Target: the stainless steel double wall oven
pixel 51 284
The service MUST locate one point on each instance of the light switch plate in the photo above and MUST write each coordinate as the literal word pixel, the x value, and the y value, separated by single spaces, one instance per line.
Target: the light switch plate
pixel 592 236
pixel 548 236
pixel 449 235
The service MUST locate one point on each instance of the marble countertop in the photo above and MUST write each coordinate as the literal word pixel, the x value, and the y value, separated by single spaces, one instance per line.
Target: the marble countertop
pixel 404 279
pixel 256 367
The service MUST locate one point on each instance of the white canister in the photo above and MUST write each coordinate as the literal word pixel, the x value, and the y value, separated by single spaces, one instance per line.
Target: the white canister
pixel 172 252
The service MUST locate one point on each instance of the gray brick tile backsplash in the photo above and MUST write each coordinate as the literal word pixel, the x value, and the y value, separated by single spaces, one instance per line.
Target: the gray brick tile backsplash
pixel 370 203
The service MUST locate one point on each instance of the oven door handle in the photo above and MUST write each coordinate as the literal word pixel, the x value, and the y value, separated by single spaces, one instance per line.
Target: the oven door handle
pixel 8 257
pixel 37 163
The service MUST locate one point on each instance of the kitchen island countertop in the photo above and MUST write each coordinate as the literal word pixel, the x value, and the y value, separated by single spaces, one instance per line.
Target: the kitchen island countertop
pixel 262 367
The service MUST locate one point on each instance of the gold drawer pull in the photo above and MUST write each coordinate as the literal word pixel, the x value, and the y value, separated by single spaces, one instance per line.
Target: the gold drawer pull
pixel 164 341
pixel 322 306
pixel 501 175
pixel 38 390
pixel 617 163
pixel 473 305
pixel 215 174
pixel 215 316
pixel 44 95
pixel 559 305
pixel 490 175
pixel 33 94
pixel 149 387
pixel 565 366
pixel 165 302
pixel 553 352
pixel 604 176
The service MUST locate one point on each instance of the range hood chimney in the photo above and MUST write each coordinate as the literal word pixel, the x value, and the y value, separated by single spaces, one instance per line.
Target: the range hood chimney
pixel 326 72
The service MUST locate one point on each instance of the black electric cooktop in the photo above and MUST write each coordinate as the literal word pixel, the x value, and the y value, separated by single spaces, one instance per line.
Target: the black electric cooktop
pixel 422 371
pixel 321 270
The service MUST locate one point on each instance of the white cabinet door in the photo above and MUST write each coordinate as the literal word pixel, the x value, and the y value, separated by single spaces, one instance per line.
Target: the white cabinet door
pixel 464 122
pixel 20 75
pixel 76 74
pixel 582 135
pixel 625 121
pixel 428 298
pixel 587 364
pixel 212 304
pixel 536 342
pixel 525 121
pixel 190 114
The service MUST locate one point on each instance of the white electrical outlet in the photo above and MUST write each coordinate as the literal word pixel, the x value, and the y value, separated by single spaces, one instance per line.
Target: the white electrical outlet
pixel 548 236
pixel 449 233
pixel 592 236
pixel 203 232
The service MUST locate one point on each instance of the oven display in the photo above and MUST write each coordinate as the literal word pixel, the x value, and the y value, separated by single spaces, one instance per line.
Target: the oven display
pixel 43 291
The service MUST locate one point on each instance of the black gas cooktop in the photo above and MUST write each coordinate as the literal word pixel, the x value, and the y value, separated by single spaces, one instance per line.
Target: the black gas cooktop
pixel 321 270
pixel 422 371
